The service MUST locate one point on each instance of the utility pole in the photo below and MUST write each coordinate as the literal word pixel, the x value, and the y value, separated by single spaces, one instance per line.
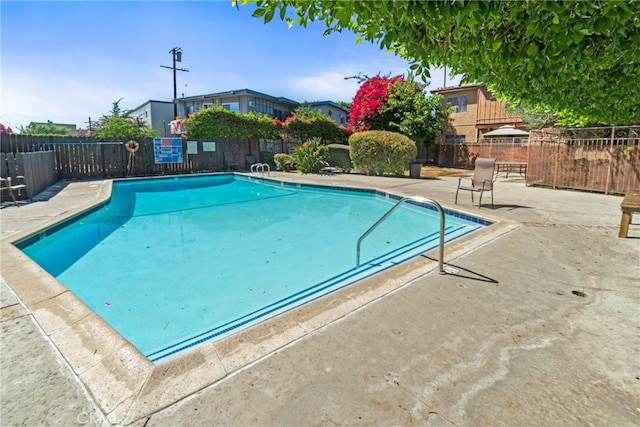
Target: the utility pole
pixel 90 128
pixel 177 57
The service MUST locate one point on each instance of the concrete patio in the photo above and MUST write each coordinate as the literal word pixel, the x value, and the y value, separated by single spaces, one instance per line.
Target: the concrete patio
pixel 538 326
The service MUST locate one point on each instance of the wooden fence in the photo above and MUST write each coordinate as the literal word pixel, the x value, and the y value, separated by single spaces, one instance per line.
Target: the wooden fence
pixel 605 160
pixel 464 155
pixel 81 158
pixel 594 159
pixel 37 169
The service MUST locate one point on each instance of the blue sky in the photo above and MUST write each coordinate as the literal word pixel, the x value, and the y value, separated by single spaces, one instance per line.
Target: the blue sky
pixel 68 61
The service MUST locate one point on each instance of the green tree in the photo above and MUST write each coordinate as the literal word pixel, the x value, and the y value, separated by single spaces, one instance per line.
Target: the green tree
pixel 538 118
pixel 306 123
pixel 398 105
pixel 413 113
pixel 42 129
pixel 119 124
pixel 580 57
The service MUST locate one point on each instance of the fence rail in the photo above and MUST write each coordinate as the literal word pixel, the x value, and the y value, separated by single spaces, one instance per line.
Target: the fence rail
pixel 605 160
pixel 464 155
pixel 593 159
pixel 81 158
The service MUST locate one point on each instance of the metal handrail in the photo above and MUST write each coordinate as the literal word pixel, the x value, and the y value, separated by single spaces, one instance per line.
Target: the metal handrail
pixel 396 206
pixel 259 167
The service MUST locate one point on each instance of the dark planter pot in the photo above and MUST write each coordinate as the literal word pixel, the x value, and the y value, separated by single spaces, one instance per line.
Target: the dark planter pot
pixel 414 169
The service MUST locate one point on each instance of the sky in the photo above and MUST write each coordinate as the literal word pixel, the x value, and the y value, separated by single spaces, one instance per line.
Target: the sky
pixel 69 61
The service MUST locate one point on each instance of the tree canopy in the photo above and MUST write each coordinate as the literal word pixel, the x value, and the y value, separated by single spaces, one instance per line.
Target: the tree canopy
pixel 399 105
pixel 306 123
pixel 580 57
pixel 218 122
pixel 48 128
pixel 120 125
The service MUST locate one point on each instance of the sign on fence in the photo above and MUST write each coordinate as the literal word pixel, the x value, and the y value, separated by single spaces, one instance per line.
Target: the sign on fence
pixel 167 150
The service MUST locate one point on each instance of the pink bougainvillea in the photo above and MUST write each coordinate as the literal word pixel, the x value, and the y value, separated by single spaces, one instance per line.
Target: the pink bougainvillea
pixel 369 101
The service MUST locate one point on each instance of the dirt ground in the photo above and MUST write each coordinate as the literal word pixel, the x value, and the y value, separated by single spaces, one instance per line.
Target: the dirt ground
pixel 434 171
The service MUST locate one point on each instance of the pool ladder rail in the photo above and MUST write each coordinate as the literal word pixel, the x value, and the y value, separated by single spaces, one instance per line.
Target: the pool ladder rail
pixel 260 167
pixel 392 210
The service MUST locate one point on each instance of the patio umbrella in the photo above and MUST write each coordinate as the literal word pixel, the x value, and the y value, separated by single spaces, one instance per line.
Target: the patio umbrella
pixel 505 131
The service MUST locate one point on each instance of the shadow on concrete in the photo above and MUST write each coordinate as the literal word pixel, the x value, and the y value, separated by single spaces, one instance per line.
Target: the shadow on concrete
pixel 42 196
pixel 50 191
pixel 497 206
pixel 457 271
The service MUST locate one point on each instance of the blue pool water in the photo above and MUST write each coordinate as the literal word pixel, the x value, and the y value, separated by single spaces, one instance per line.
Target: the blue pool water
pixel 173 262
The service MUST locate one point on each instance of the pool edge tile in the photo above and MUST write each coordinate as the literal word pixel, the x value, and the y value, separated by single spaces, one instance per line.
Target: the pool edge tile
pixel 20 273
pixel 173 379
pixel 249 345
pixel 87 342
pixel 117 378
pixel 59 312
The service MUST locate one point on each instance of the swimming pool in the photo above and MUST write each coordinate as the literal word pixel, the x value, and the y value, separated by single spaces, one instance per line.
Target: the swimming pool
pixel 173 262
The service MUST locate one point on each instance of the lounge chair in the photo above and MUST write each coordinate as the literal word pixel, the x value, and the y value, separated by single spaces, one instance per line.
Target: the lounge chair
pixel 481 181
pixel 10 181
pixel 230 161
pixel 249 160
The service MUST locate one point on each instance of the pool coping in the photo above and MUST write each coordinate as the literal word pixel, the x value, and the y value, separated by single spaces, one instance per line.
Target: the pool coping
pixel 127 386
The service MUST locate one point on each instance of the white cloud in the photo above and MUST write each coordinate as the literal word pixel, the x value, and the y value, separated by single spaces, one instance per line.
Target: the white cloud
pixel 325 86
pixel 333 86
pixel 31 96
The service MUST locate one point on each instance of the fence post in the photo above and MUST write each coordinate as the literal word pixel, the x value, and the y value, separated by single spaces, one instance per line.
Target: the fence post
pixel 555 168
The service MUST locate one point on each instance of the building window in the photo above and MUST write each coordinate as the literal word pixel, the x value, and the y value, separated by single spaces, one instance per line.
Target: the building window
pixel 459 103
pixel 207 105
pixel 265 107
pixel 232 106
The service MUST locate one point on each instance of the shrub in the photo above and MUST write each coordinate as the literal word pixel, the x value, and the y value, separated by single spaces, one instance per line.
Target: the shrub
pixel 306 123
pixel 284 162
pixel 267 157
pixel 216 122
pixel 377 152
pixel 369 102
pixel 339 157
pixel 311 156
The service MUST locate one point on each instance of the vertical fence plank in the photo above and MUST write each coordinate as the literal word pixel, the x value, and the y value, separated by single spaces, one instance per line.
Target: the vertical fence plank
pixel 591 159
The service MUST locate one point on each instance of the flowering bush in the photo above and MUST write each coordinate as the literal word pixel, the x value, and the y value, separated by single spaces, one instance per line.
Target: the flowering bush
pixel 398 105
pixel 369 102
pixel 4 129
pixel 376 152
pixel 311 156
